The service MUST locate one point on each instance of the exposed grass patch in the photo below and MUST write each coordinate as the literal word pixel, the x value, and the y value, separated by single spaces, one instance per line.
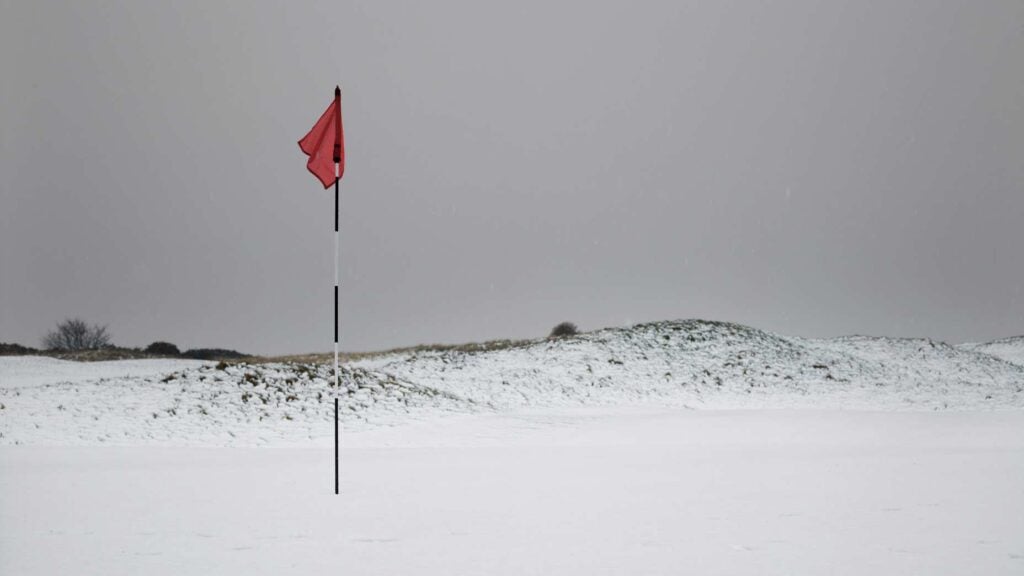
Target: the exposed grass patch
pixel 328 357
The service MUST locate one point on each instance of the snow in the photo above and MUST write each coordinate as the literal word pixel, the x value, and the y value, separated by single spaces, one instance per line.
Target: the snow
pixel 718 365
pixel 582 491
pixel 17 371
pixel 244 405
pixel 1008 349
pixel 688 364
pixel 663 448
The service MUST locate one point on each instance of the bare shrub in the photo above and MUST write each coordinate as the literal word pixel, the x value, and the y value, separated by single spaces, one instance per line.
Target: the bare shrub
pixel 75 334
pixel 564 329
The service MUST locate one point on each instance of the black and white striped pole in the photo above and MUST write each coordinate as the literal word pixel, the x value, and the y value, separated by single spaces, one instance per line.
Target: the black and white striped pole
pixel 337 376
pixel 315 144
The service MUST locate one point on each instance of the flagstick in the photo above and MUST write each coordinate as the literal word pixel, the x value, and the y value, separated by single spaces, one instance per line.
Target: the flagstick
pixel 337 390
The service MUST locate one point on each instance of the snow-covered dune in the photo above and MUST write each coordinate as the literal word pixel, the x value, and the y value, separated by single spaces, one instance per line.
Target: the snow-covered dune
pixel 686 364
pixel 1009 349
pixel 211 405
pixel 714 364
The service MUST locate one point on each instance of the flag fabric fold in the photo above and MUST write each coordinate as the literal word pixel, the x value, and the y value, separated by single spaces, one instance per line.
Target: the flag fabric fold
pixel 325 144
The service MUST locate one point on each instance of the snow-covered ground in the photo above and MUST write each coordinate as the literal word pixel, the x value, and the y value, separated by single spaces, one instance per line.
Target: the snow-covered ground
pixel 17 371
pixel 688 364
pixel 664 448
pixel 1009 349
pixel 702 364
pixel 586 491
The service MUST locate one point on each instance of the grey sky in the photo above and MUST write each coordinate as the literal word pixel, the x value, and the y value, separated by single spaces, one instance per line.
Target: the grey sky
pixel 813 168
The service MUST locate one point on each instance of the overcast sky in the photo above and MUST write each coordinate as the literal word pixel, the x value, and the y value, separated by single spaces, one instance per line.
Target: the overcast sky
pixel 811 168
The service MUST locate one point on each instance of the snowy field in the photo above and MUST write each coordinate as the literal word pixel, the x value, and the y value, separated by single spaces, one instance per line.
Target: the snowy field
pixel 666 448
pixel 22 371
pixel 581 492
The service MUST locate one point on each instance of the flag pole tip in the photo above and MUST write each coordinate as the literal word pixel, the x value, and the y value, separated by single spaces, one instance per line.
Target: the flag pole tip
pixel 337 90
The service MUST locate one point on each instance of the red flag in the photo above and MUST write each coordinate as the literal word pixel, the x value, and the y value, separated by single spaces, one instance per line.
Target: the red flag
pixel 325 143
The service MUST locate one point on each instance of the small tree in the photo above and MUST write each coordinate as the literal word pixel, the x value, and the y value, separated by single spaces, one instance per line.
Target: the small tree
pixel 163 349
pixel 564 329
pixel 75 334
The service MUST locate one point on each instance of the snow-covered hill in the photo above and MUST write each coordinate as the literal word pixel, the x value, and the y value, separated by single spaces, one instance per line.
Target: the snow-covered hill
pixel 685 364
pixel 207 405
pixel 698 363
pixel 1009 349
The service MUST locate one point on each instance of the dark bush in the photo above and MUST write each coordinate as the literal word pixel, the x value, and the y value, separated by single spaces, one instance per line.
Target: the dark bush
pixel 212 354
pixel 564 329
pixel 15 350
pixel 163 349
pixel 75 334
